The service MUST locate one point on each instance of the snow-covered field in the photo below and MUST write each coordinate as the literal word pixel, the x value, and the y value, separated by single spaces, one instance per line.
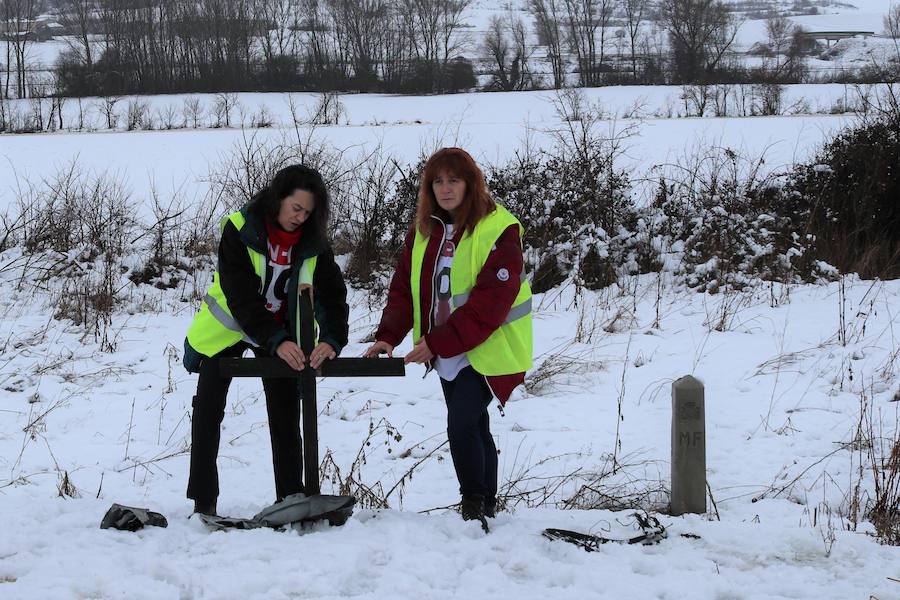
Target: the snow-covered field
pixel 492 126
pixel 786 386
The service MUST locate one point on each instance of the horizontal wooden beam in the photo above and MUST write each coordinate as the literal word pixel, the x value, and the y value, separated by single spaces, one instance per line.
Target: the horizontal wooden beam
pixel 339 367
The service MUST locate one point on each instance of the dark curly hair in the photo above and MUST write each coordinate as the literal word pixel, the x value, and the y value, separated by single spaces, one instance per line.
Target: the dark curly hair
pixel 286 182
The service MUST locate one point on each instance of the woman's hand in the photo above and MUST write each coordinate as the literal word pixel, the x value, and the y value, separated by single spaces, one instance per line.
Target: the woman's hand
pixel 320 354
pixel 421 353
pixel 379 348
pixel 291 353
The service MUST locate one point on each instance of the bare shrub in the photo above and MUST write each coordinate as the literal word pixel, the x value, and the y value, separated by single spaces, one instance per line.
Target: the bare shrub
pixel 5 108
pixel 13 224
pixel 885 512
pixel 252 162
pixel 560 364
pixel 892 26
pixel 629 482
pixel 81 124
pixel 571 199
pixel 167 117
pixel 55 118
pixel 506 43
pixel 768 98
pixel 107 107
pixel 262 118
pixel 884 460
pixel 848 192
pixel 734 221
pixel 37 118
pixel 138 114
pixel 77 227
pixel 76 209
pixel 192 112
pixel 329 110
pixel 720 98
pixel 381 202
pixel 370 494
pixel 696 98
pixel 223 108
pixel 167 240
pixel 65 488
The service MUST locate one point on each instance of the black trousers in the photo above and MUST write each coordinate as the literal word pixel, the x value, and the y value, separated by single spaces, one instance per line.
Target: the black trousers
pixel 283 408
pixel 469 431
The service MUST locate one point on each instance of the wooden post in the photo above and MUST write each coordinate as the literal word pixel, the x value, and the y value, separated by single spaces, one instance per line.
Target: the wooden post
pixel 340 367
pixel 688 447
pixel 308 398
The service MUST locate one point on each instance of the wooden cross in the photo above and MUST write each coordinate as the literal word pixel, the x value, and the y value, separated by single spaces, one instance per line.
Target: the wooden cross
pixel 339 367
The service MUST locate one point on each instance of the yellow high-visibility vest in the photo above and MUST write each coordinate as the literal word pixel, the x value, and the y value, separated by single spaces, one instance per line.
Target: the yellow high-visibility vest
pixel 507 350
pixel 214 328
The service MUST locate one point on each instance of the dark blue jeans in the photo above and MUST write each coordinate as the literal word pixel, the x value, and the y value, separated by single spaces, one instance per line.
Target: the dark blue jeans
pixel 469 431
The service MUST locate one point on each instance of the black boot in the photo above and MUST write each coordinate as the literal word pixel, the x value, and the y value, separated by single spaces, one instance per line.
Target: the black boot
pixel 472 509
pixel 205 508
pixel 490 507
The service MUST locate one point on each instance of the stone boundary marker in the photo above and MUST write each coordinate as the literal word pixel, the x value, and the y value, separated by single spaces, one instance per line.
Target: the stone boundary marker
pixel 688 447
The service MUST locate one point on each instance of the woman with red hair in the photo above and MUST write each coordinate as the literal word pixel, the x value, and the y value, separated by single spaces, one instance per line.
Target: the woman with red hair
pixel 460 287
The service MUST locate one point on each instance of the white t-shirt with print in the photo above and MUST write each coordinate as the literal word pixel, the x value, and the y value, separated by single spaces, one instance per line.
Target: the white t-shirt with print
pixel 447 368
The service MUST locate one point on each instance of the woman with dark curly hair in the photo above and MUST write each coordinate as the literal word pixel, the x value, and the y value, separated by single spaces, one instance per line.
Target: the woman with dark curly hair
pixel 460 287
pixel 270 249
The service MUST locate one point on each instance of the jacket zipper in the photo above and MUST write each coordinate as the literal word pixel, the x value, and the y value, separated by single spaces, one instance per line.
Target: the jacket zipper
pixel 437 257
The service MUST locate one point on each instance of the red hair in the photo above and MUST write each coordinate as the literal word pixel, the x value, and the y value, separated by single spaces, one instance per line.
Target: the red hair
pixel 477 203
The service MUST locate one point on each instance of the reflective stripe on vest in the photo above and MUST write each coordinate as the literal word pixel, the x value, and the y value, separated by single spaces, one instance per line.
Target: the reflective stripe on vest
pixel 307 269
pixel 508 349
pixel 214 327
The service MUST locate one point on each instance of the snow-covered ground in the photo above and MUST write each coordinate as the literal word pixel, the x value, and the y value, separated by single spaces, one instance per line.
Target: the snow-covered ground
pixel 784 395
pixel 783 399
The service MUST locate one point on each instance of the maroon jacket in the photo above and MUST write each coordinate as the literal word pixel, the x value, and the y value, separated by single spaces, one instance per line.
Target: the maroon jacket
pixel 470 324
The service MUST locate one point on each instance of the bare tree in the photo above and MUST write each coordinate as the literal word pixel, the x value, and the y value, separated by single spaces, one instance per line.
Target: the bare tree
pixel 506 43
pixel 363 24
pixel 450 24
pixel 18 16
pixel 700 33
pixel 170 45
pixel 107 107
pixel 432 26
pixel 522 52
pixel 634 15
pixel 192 112
pixel 892 21
pixel 586 19
pixel 892 26
pixel 78 17
pixel 432 29
pixel 496 46
pixel 778 31
pixel 582 23
pixel 548 23
pixel 787 61
pixel 604 12
pixel 318 50
pixel 282 19
pixel 223 107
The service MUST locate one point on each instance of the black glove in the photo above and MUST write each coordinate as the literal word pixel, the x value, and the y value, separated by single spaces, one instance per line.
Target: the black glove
pixel 128 518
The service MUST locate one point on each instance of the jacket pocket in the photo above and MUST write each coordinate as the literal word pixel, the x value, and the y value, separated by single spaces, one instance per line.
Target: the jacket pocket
pixel 192 358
